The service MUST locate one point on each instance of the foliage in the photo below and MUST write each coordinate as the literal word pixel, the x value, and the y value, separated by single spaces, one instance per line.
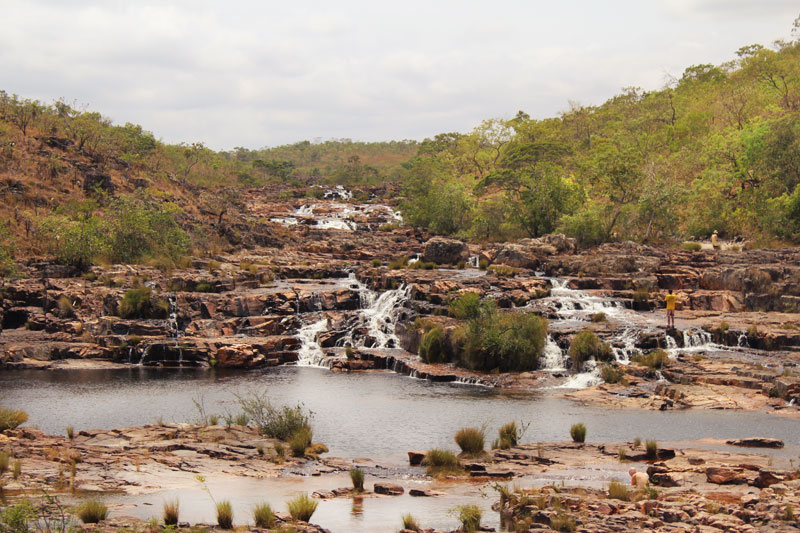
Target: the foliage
pixel 135 303
pixel 4 458
pixel 468 306
pixel 224 514
pixel 586 345
pixel 264 516
pixel 11 418
pixel 470 440
pixel 432 346
pixel 656 360
pixel 357 478
pixel 651 447
pixel 17 518
pixel 277 422
pixel 302 507
pixel 578 432
pixel 300 441
pixel 511 433
pixel 506 342
pixel 618 491
pixel 410 523
pixel 91 511
pixel 440 462
pixel 470 517
pixel 611 374
pixel 74 235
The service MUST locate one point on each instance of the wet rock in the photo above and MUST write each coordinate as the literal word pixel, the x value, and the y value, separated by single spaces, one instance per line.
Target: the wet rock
pixel 388 489
pixel 756 442
pixel 443 251
pixel 425 493
pixel 415 458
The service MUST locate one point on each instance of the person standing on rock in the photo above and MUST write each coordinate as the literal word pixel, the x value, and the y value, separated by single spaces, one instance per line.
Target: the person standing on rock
pixel 670 301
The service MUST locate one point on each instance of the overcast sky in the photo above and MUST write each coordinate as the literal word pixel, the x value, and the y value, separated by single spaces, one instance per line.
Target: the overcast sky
pixel 261 73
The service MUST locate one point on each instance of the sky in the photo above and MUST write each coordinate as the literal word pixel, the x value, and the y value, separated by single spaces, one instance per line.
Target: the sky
pixel 264 73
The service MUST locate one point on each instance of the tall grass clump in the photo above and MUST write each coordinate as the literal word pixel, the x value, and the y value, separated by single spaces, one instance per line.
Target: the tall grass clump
pixel 441 462
pixel 470 440
pixel 277 422
pixel 618 491
pixel 410 523
pixel 224 515
pixel 357 477
pixel 651 448
pixel 578 432
pixel 135 303
pixel 509 435
pixel 170 512
pixel 264 516
pixel 16 468
pixel 91 511
pixel 586 345
pixel 300 441
pixel 3 463
pixel 302 507
pixel 11 418
pixel 432 347
pixel 470 517
pixel 656 360
pixel 611 374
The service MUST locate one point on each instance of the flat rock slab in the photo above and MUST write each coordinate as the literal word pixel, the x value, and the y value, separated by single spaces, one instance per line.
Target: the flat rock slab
pixel 427 493
pixel 756 442
pixel 388 489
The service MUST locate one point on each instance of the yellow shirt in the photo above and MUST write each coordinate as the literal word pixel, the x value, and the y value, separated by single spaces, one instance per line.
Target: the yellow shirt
pixel 671 302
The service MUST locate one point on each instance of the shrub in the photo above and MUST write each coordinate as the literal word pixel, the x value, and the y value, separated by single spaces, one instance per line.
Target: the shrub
pixel 563 522
pixel 512 433
pixel 349 353
pixel 483 264
pixel 693 246
pixel 205 287
pixel 135 303
pixel 652 449
pixel 277 422
pixel 397 264
pixel 441 462
pixel 611 374
pixel 724 326
pixel 17 518
pixel 467 306
pixel 432 348
pixel 599 317
pixel 357 477
pixel 421 265
pixel 470 517
pixel 656 359
pixel 65 307
pixel 578 432
pixel 376 262
pixel 213 266
pixel 410 523
pixel 171 512
pixel 16 468
pixel 618 491
pixel 300 441
pixel 302 507
pixel 503 271
pixel 264 516
pixel 11 418
pixel 586 345
pixel 91 511
pixel 470 440
pixel 505 342
pixel 3 463
pixel 224 515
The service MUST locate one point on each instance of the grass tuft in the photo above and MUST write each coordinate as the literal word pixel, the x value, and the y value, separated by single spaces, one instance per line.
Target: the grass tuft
pixel 618 491
pixel 357 477
pixel 224 515
pixel 170 512
pixel 578 432
pixel 652 449
pixel 410 523
pixel 470 517
pixel 300 441
pixel 470 440
pixel 586 345
pixel 91 511
pixel 264 516
pixel 440 462
pixel 302 507
pixel 11 418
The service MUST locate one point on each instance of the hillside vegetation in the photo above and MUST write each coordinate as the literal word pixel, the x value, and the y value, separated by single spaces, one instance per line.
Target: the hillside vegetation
pixel 717 149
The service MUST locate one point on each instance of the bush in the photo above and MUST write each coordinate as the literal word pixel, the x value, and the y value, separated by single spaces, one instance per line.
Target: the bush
pixel 65 308
pixel 264 516
pixel 563 522
pixel 470 440
pixel 599 317
pixel 611 374
pixel 91 511
pixel 135 303
pixel 410 523
pixel 441 462
pixel 3 463
pixel 693 246
pixel 16 468
pixel 397 264
pixel 18 518
pixel 277 422
pixel 511 433
pixel 11 418
pixel 656 359
pixel 432 348
pixel 586 345
pixel 578 432
pixel 504 342
pixel 224 515
pixel 376 262
pixel 421 265
pixel 467 306
pixel 470 517
pixel 302 507
pixel 171 512
pixel 349 353
pixel 205 287
pixel 618 491
pixel 357 477
pixel 652 449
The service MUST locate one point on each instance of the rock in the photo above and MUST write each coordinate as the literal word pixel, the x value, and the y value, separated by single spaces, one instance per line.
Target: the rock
pixel 666 479
pixel 756 442
pixel 388 489
pixel 768 478
pixel 441 251
pixel 425 493
pixel 725 476
pixel 415 458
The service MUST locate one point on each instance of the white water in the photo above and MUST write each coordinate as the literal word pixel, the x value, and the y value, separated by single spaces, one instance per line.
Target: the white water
pixel 337 215
pixel 379 315
pixel 310 353
pixel 552 356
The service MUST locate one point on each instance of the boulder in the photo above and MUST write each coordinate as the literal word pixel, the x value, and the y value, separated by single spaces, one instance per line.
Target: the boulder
pixel 441 251
pixel 725 476
pixel 388 489
pixel 415 458
pixel 756 442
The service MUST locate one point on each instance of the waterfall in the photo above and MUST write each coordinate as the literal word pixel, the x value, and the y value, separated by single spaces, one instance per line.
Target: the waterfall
pixel 697 340
pixel 414 259
pixel 310 352
pixel 578 305
pixel 742 341
pixel 379 315
pixel 474 261
pixel 173 327
pixel 552 356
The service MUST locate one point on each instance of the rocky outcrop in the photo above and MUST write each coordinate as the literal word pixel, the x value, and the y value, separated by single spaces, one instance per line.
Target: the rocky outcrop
pixel 444 251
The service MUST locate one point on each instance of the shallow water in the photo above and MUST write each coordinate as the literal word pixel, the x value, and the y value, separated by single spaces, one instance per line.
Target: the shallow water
pixel 376 415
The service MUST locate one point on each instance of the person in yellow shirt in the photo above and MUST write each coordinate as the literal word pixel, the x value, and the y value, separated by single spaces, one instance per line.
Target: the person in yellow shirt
pixel 670 299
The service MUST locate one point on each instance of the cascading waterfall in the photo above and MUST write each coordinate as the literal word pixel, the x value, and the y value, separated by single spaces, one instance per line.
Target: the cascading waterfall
pixel 173 327
pixel 552 356
pixel 474 261
pixel 571 303
pixel 310 352
pixel 379 315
